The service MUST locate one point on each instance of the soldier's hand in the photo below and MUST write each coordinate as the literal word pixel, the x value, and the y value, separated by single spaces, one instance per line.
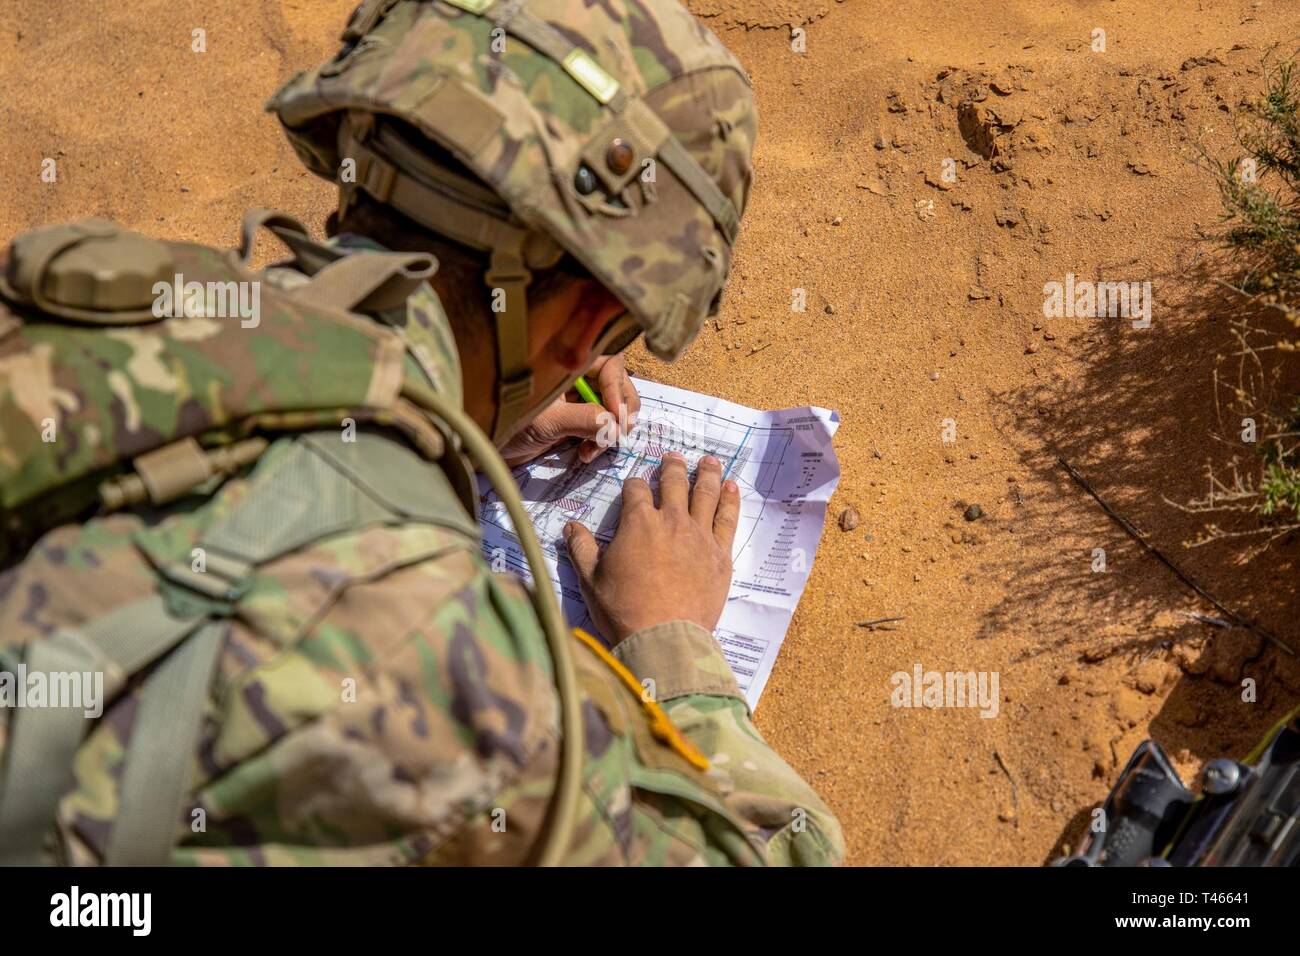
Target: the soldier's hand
pixel 599 426
pixel 666 563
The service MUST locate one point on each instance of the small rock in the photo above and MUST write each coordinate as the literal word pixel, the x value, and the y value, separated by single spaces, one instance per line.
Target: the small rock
pixel 973 513
pixel 1007 814
pixel 979 129
pixel 938 182
pixel 849 519
pixel 934 376
pixel 838 220
pixel 1128 706
pixel 1151 675
pixel 1031 348
pixel 830 309
pixel 1007 218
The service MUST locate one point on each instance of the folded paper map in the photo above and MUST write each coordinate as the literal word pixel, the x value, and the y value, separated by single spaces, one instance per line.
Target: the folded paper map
pixel 786 469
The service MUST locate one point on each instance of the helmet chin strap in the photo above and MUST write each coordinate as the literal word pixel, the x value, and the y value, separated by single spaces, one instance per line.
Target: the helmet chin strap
pixel 508 277
pixel 616 336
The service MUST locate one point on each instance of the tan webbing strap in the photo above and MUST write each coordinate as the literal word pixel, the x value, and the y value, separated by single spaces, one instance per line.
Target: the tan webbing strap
pixel 365 17
pixel 43 741
pixel 309 255
pixel 132 637
pixel 684 166
pixel 42 744
pixel 254 220
pixel 507 272
pixel 161 752
pixel 368 281
pixel 388 184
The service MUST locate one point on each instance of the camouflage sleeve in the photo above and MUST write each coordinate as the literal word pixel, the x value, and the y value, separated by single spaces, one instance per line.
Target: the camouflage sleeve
pixel 694 684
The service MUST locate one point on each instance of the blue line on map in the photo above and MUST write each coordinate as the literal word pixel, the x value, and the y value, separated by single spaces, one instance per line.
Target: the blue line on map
pixel 732 460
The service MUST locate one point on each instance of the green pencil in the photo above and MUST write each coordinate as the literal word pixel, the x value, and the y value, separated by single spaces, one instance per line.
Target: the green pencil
pixel 586 391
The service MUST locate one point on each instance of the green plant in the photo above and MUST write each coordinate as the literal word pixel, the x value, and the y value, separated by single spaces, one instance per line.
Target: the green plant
pixel 1261 200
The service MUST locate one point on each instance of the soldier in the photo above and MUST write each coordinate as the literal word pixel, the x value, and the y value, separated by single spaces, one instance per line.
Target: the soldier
pixel 260 535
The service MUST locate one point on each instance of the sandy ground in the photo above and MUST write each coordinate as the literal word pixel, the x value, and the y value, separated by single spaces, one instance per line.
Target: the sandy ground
pixel 924 304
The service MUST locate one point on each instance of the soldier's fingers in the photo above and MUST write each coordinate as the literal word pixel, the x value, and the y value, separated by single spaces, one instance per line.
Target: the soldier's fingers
pixel 636 494
pixel 631 402
pixel 575 420
pixel 618 393
pixel 674 486
pixel 728 516
pixel 708 485
pixel 583 550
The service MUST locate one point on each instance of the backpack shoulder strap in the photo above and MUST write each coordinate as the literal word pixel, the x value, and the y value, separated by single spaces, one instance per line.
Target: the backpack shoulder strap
pixel 43 740
pixel 156 777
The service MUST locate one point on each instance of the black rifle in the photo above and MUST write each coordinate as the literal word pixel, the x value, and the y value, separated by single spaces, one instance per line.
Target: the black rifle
pixel 1247 814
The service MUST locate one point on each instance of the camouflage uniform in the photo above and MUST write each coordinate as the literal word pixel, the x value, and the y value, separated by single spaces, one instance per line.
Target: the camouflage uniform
pixel 312 648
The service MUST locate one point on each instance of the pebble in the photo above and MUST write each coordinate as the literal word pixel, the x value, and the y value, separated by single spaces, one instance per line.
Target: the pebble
pixel 849 519
pixel 973 513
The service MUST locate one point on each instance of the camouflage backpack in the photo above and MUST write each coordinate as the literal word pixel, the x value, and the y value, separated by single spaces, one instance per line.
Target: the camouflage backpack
pixel 131 374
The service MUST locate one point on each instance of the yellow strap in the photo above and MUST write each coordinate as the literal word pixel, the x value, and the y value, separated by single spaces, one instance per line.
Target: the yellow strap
pixel 661 725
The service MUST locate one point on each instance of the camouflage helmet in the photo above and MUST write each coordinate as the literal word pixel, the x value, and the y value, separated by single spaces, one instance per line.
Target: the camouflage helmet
pixel 619 131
